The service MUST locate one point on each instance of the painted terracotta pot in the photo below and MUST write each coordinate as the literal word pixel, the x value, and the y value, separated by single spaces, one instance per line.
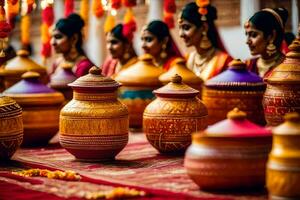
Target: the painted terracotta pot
pixel 235 87
pixel 61 78
pixel 94 124
pixel 138 81
pixel 283 85
pixel 41 106
pixel 12 71
pixel 173 116
pixel 283 168
pixel 230 154
pixel 188 77
pixel 11 127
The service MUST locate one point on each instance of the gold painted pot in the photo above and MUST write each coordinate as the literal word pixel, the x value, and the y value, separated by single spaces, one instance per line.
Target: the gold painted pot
pixel 235 87
pixel 283 85
pixel 283 168
pixel 94 124
pixel 12 71
pixel 173 116
pixel 41 106
pixel 11 127
pixel 138 81
pixel 61 78
pixel 230 154
pixel 188 77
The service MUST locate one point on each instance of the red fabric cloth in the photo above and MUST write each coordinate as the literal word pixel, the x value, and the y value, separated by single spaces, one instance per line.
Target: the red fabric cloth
pixel 109 66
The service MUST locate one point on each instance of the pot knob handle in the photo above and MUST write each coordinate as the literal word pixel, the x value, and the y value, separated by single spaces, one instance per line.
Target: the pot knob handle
pixel 236 114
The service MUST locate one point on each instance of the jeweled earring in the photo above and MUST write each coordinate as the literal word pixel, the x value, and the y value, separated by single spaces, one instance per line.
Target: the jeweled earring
pixel 126 56
pixel 163 53
pixel 205 42
pixel 271 48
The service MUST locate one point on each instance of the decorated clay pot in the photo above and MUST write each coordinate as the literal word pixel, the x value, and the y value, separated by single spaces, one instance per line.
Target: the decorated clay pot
pixel 283 168
pixel 138 81
pixel 188 77
pixel 41 106
pixel 235 87
pixel 94 124
pixel 283 85
pixel 230 154
pixel 173 116
pixel 14 68
pixel 11 127
pixel 61 78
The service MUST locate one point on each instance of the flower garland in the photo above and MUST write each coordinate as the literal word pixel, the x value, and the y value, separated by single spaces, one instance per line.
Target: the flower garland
pixel 5 29
pixel 69 7
pixel 97 8
pixel 202 4
pixel 169 11
pixel 116 193
pixel 129 23
pixel 12 10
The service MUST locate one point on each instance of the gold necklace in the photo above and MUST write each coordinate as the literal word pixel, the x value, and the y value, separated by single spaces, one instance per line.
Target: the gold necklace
pixel 264 65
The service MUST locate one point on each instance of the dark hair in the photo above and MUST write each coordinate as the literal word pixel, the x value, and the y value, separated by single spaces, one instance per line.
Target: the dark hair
pixel 117 33
pixel 70 26
pixel 190 13
pixel 159 29
pixel 266 22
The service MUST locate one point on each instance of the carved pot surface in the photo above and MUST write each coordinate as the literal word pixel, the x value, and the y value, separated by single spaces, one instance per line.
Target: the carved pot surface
pixel 229 155
pixel 283 85
pixel 14 68
pixel 170 119
pixel 235 87
pixel 283 168
pixel 94 124
pixel 41 106
pixel 11 127
pixel 188 77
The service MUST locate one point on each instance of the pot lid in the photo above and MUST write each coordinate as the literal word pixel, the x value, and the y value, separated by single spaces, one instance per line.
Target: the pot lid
pixel 29 84
pixel 63 76
pixel 236 77
pixel 5 101
pixel 291 126
pixel 176 89
pixel 142 73
pixel 94 80
pixel 21 62
pixel 289 70
pixel 180 68
pixel 236 126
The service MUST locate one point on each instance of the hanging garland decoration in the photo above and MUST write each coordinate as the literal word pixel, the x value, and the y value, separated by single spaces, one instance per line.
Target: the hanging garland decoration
pixel 116 4
pixel 202 4
pixel 129 23
pixel 5 29
pixel 27 7
pixel 110 20
pixel 47 21
pixel 169 11
pixel 97 8
pixel 13 11
pixel 84 13
pixel 69 7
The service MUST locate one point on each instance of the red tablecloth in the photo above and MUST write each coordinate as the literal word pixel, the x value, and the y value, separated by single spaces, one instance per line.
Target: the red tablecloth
pixel 138 166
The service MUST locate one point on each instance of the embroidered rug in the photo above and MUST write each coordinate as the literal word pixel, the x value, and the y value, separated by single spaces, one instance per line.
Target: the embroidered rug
pixel 138 166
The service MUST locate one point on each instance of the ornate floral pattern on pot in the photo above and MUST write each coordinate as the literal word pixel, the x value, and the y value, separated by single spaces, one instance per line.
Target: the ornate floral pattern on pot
pixel 283 85
pixel 61 78
pixel 235 87
pixel 41 106
pixel 11 127
pixel 188 77
pixel 138 81
pixel 230 154
pixel 94 124
pixel 12 71
pixel 173 116
pixel 283 168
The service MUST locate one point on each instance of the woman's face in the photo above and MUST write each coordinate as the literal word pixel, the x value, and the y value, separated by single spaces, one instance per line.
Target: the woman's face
pixel 150 43
pixel 255 40
pixel 60 42
pixel 190 33
pixel 115 46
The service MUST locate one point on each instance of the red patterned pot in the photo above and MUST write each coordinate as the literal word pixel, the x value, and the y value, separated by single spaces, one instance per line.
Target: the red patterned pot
pixel 138 81
pixel 283 86
pixel 41 106
pixel 235 87
pixel 283 168
pixel 11 127
pixel 173 116
pixel 94 124
pixel 230 154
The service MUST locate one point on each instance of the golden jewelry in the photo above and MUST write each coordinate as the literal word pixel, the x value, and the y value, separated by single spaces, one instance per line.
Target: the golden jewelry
pixel 271 48
pixel 205 42
pixel 163 53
